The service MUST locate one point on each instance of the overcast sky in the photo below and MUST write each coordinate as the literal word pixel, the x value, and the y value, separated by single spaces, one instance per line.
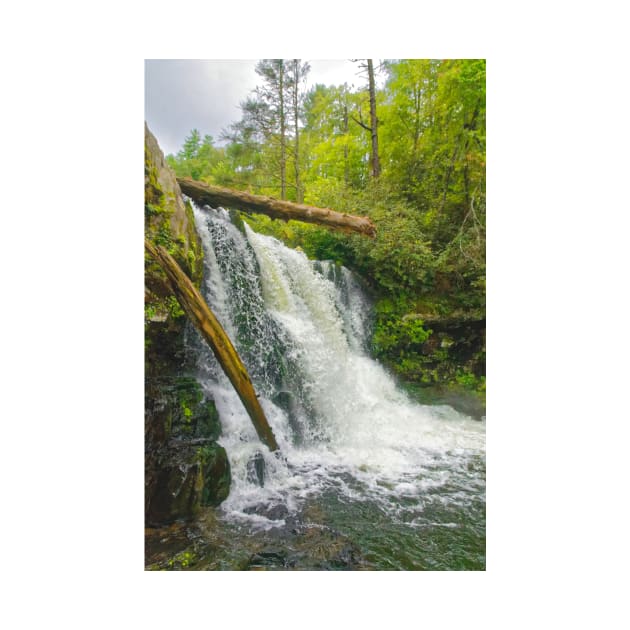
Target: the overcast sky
pixel 183 94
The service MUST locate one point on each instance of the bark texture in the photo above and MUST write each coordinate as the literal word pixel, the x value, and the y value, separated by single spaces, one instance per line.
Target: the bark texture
pixel 376 164
pixel 275 208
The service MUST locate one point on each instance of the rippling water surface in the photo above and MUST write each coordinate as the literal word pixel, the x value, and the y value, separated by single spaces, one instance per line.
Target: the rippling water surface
pixel 364 472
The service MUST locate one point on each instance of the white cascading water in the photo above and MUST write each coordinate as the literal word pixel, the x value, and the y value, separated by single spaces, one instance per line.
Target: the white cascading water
pixel 339 418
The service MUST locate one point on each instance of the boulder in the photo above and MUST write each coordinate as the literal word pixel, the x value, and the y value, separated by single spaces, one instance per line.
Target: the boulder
pixel 256 469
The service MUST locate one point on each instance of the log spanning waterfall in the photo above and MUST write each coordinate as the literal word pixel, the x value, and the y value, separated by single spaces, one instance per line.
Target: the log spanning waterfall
pixel 391 472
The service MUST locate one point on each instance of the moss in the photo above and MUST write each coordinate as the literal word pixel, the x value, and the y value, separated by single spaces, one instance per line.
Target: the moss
pixel 470 381
pixel 237 220
pixel 149 312
pixel 427 341
pixel 176 408
pixel 152 192
pixel 174 308
pixel 216 472
pixel 207 420
pixel 192 261
pixel 164 236
pixel 194 415
pixel 155 201
pixel 183 560
pixel 182 244
pixel 186 476
pixel 150 210
pixel 194 253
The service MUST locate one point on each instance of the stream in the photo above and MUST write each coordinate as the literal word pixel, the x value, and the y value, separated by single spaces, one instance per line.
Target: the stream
pixel 366 476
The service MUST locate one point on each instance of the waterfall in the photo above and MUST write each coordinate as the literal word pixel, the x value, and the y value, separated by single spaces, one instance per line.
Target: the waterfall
pixel 342 424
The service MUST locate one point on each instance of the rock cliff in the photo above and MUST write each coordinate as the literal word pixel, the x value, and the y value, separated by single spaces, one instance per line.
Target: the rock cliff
pixel 185 468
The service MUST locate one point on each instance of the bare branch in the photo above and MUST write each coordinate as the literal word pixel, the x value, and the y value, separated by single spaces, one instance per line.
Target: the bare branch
pixel 361 123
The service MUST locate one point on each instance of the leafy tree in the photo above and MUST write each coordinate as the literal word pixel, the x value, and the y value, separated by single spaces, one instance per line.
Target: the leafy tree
pixel 271 120
pixel 375 163
pixel 297 74
pixel 419 174
pixel 434 148
pixel 336 150
pixel 267 113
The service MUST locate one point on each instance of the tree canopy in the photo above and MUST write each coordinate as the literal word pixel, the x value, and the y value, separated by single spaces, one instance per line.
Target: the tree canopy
pixel 428 201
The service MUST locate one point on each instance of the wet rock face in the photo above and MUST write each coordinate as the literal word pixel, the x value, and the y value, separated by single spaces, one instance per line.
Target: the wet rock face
pixel 256 470
pixel 190 477
pixel 215 471
pixel 211 544
pixel 310 548
pixel 194 415
pixel 169 221
pixel 177 492
pixel 184 466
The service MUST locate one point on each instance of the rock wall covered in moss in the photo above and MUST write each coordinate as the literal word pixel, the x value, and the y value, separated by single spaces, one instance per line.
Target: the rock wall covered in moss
pixel 185 468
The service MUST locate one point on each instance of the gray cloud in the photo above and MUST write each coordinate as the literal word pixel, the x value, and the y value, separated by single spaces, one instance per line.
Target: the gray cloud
pixel 185 94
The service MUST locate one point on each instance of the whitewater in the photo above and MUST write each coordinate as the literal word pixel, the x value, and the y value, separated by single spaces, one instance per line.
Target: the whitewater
pixel 347 433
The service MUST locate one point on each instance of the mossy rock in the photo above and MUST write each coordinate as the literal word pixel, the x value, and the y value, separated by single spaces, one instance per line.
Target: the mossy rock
pixel 169 223
pixel 188 478
pixel 179 416
pixel 181 475
pixel 216 474
pixel 177 492
pixel 194 414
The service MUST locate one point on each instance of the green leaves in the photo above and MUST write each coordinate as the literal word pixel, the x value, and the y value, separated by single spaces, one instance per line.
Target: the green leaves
pixel 428 204
pixel 395 328
pixel 174 309
pixel 197 159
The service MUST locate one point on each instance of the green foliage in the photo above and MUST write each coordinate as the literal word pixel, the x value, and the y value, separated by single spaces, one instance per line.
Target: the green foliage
pixel 164 237
pixel 264 152
pixel 183 560
pixel 174 309
pixel 151 210
pixel 192 260
pixel 428 205
pixel 337 146
pixel 395 328
pixel 198 159
pixel 150 312
pixel 471 382
pixel 322 244
pixel 467 379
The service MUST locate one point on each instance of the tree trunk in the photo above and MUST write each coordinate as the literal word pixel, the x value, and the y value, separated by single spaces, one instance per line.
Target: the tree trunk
pixel 346 163
pixel 376 164
pixel 417 95
pixel 283 139
pixel 216 196
pixel 202 317
pixel 296 130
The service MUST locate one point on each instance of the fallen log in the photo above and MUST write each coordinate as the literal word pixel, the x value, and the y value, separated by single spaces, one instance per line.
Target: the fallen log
pixel 216 196
pixel 208 325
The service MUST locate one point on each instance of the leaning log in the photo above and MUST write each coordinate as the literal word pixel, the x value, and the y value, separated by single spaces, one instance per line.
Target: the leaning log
pixel 208 325
pixel 215 196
